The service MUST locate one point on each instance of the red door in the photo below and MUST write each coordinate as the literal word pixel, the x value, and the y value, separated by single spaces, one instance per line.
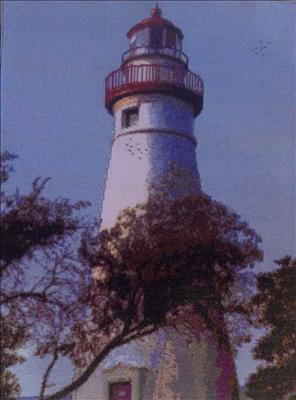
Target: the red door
pixel 121 391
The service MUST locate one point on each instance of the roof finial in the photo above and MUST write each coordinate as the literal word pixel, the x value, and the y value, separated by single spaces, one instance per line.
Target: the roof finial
pixel 156 11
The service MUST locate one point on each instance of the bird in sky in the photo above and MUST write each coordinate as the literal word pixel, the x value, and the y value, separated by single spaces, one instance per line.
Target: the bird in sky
pixel 261 48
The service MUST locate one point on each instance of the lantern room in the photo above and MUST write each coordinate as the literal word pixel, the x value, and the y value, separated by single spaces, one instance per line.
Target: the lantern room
pixel 155 36
pixel 154 63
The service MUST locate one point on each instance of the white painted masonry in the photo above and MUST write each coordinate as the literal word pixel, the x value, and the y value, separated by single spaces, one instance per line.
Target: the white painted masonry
pixel 142 153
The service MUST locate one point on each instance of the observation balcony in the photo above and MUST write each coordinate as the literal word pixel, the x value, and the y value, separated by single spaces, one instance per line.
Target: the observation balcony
pixel 151 78
pixel 162 51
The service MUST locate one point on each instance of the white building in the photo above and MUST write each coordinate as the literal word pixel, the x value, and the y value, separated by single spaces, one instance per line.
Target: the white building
pixel 154 99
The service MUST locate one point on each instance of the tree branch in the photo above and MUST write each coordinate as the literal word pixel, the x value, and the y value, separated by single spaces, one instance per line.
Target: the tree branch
pixel 117 341
pixel 37 295
pixel 89 370
pixel 46 374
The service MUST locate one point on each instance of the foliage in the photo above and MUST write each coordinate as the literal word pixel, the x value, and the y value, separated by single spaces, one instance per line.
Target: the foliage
pixel 12 338
pixel 163 255
pixel 164 263
pixel 29 221
pixel 276 302
pixel 39 277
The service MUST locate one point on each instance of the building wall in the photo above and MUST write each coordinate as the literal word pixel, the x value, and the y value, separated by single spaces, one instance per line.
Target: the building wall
pixel 166 366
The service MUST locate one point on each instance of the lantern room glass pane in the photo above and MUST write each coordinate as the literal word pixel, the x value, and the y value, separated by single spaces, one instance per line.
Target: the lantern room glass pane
pixel 170 39
pixel 133 42
pixel 142 38
pixel 178 43
pixel 156 36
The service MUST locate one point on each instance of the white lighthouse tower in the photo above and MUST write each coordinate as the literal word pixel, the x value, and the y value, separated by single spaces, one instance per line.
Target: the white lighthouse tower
pixel 154 99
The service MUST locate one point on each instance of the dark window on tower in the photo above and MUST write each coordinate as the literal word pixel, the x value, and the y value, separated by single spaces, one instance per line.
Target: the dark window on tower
pixel 155 36
pixel 130 117
pixel 170 39
pixel 121 391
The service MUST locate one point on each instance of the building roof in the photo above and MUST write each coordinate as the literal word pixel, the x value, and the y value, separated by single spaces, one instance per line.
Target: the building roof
pixel 155 19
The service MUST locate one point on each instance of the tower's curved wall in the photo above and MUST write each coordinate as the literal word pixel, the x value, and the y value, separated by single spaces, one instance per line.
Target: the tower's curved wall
pixel 160 141
pixel 168 365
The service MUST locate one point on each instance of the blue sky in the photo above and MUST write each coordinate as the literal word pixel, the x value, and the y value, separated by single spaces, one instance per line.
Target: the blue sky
pixel 56 56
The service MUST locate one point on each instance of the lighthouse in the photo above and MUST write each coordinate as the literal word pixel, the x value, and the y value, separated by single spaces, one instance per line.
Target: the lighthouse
pixel 154 99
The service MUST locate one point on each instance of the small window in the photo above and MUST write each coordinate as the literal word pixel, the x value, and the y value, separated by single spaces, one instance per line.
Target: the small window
pixel 121 391
pixel 130 117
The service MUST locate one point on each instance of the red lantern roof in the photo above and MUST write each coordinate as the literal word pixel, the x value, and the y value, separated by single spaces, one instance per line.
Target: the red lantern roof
pixel 155 19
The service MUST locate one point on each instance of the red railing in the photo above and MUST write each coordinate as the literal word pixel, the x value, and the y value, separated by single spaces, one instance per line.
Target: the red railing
pixel 152 73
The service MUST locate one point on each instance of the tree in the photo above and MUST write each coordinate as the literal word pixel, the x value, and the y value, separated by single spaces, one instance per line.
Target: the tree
pixel 36 262
pixel 276 302
pixel 162 263
pixel 12 338
pixel 159 265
